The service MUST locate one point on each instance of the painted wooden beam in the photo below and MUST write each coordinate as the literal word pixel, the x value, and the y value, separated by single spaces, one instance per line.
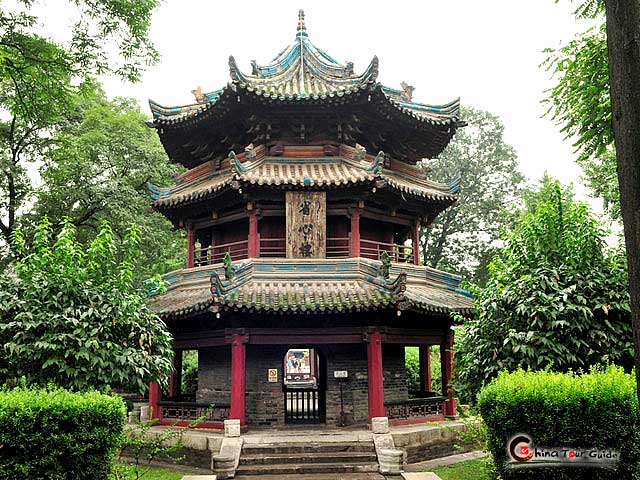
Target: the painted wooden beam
pixel 191 245
pixel 425 367
pixel 375 377
pixel 238 379
pixel 446 358
pixel 175 381
pixel 155 395
pixel 354 238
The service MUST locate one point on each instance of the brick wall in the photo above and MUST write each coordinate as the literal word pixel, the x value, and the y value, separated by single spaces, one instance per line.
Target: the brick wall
pixel 214 375
pixel 394 373
pixel 352 358
pixel 265 401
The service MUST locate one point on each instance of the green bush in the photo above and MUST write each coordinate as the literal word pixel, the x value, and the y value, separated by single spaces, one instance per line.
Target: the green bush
pixel 58 435
pixel 412 364
pixel 592 410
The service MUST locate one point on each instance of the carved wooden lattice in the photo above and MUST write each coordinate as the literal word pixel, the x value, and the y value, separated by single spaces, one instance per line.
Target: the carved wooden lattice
pixel 306 224
pixel 186 411
pixel 415 408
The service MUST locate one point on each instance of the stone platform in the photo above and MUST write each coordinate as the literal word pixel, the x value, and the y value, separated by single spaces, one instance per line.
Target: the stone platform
pixel 316 450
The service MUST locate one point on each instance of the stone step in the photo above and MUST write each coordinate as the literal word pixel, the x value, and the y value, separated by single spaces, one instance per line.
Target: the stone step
pixel 304 458
pixel 306 469
pixel 316 476
pixel 276 448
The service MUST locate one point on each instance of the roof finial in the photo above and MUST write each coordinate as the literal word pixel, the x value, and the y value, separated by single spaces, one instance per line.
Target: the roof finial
pixel 302 29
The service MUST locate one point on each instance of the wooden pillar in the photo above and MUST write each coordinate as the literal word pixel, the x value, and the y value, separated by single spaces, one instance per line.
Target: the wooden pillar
pixel 191 245
pixel 374 368
pixel 425 367
pixel 254 241
pixel 446 358
pixel 354 243
pixel 415 241
pixel 238 379
pixel 175 381
pixel 155 395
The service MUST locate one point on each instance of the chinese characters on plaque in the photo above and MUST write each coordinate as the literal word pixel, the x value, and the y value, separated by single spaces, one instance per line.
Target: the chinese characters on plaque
pixel 306 224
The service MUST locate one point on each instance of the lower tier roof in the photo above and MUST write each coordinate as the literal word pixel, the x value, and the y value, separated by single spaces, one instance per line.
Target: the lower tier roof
pixel 309 286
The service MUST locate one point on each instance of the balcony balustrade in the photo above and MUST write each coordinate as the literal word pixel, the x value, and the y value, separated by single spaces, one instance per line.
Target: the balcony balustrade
pixel 337 247
pixel 397 252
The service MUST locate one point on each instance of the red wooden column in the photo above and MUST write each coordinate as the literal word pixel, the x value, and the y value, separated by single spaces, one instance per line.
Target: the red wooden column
pixel 175 381
pixel 238 379
pixel 374 368
pixel 354 244
pixel 191 245
pixel 254 241
pixel 446 357
pixel 155 395
pixel 425 367
pixel 415 241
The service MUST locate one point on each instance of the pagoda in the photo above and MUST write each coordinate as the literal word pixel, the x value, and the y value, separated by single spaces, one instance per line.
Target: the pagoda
pixel 302 205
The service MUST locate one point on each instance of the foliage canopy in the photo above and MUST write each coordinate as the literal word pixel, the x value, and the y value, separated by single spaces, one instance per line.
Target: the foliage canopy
pixel 462 238
pixel 556 296
pixel 71 317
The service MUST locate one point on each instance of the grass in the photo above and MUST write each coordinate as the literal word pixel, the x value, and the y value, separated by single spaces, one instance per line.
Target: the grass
pixel 469 470
pixel 154 473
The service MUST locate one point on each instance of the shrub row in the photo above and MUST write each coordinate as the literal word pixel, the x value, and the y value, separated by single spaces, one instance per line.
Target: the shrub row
pixel 598 409
pixel 55 434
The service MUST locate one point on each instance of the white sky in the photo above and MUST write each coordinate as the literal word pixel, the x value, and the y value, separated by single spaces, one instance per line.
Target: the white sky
pixel 486 52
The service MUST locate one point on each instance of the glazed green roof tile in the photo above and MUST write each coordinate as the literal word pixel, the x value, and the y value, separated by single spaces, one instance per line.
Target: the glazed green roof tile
pixel 303 72
pixel 205 182
pixel 310 286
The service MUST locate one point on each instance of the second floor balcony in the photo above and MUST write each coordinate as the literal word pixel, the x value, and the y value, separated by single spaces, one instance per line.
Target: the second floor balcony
pixel 336 247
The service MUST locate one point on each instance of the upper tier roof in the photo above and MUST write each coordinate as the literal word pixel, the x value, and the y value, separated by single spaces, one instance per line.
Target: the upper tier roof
pixel 348 168
pixel 303 74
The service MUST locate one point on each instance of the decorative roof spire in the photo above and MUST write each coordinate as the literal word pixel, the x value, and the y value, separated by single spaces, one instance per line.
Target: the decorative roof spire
pixel 302 29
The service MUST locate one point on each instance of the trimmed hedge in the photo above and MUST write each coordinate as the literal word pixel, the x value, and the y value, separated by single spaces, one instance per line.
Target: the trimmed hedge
pixel 592 410
pixel 56 434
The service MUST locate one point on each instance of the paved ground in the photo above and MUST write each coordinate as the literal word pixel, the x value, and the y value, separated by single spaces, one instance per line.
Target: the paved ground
pixel 443 462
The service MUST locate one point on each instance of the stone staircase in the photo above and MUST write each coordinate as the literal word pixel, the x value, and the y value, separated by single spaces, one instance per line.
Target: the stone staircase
pixel 321 461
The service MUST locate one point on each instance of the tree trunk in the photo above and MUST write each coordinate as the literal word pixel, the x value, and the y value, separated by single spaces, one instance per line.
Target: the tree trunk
pixel 623 41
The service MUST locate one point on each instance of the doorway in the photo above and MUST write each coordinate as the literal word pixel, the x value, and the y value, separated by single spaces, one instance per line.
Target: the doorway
pixel 304 386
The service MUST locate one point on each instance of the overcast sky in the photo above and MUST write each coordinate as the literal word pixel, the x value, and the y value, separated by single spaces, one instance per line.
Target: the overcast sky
pixel 486 52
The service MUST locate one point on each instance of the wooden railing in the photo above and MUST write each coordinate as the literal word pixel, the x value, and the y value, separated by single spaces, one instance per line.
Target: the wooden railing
pixel 415 408
pixel 338 247
pixel 273 247
pixel 215 254
pixel 192 411
pixel 396 252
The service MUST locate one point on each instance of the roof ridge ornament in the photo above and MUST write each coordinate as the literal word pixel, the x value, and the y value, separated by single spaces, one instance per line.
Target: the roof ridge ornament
pixel 383 270
pixel 377 164
pixel 302 28
pixel 236 166
pixel 360 152
pixel 407 91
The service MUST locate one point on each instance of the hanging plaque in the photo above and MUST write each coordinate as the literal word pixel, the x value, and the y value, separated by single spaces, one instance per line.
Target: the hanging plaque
pixel 306 224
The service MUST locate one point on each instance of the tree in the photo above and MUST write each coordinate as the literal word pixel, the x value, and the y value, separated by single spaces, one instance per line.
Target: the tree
pixel 555 297
pixel 70 315
pixel 621 122
pixel 97 167
pixel 463 237
pixel 623 41
pixel 39 76
pixel 581 104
